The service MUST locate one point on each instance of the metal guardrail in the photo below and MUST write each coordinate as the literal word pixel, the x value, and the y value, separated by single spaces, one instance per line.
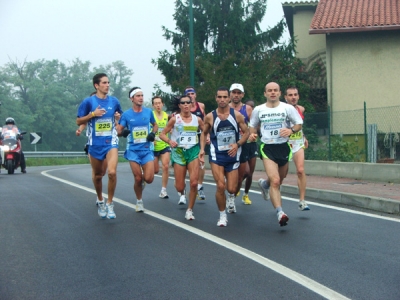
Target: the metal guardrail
pixel 58 154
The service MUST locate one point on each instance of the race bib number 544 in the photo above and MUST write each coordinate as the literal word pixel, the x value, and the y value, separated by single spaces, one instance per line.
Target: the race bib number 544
pixel 139 134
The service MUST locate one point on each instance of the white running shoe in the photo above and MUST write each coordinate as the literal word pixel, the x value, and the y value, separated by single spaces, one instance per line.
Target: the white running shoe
pixel 139 206
pixel 98 201
pixel 303 205
pixel 223 221
pixel 282 218
pixel 163 194
pixel 189 215
pixel 143 184
pixel 200 194
pixel 101 209
pixel 182 200
pixel 184 192
pixel 230 205
pixel 110 211
pixel 264 191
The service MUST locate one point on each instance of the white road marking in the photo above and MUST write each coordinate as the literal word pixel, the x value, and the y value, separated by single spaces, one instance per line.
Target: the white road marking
pixel 278 268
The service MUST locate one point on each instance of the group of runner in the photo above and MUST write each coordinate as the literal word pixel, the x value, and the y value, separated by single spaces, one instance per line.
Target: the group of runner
pixel 231 130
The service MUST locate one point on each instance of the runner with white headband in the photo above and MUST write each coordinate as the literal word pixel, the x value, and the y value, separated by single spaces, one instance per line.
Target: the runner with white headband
pixel 135 124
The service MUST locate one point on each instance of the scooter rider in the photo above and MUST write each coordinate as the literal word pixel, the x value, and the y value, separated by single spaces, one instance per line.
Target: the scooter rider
pixel 11 122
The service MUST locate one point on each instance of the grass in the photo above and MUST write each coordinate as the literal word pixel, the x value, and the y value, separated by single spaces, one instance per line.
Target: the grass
pixel 55 161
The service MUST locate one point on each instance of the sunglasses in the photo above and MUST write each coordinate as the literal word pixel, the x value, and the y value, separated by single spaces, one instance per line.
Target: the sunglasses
pixel 185 102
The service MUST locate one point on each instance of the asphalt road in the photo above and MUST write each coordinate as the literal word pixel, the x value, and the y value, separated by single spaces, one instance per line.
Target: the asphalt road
pixel 53 245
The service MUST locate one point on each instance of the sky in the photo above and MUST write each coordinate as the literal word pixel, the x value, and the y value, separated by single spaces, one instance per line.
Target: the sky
pixel 99 31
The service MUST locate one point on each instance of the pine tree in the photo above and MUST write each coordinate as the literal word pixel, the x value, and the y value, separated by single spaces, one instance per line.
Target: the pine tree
pixel 230 46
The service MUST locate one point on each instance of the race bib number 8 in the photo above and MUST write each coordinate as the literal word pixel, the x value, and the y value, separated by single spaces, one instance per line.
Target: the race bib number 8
pixel 139 134
pixel 224 139
pixel 187 139
pixel 103 127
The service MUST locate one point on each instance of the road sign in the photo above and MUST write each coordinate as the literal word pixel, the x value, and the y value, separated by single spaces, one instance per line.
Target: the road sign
pixel 36 138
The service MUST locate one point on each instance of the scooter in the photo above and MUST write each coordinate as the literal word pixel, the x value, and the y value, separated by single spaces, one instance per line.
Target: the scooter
pixel 11 148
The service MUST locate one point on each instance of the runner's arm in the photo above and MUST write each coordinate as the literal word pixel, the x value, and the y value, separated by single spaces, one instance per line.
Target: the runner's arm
pixel 166 130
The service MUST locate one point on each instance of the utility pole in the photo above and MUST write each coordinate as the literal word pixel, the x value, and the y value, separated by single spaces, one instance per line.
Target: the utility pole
pixel 191 47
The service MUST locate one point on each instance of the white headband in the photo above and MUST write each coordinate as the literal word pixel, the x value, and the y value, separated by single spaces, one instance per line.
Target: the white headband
pixel 134 92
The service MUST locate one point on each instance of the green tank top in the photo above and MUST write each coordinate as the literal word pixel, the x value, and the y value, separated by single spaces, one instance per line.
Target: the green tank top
pixel 159 144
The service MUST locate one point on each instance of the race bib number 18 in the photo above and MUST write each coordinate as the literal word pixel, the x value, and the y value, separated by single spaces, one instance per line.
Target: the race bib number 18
pixel 271 131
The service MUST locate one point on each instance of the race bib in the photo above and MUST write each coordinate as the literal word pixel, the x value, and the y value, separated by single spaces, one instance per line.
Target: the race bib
pixel 224 139
pixel 158 133
pixel 139 134
pixel 297 135
pixel 297 138
pixel 272 130
pixel 187 139
pixel 103 126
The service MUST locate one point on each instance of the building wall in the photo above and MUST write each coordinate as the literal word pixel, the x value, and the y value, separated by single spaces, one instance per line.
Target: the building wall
pixel 363 66
pixel 307 45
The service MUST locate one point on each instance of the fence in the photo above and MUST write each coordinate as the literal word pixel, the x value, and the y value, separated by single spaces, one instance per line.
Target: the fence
pixel 58 154
pixel 343 135
pixel 337 136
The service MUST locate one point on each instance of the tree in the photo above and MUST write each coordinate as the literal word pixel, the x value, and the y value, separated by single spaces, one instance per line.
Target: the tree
pixel 43 96
pixel 229 47
pixel 77 80
pixel 119 76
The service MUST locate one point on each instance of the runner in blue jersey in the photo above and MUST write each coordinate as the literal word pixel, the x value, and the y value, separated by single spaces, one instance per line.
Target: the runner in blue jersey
pixel 100 112
pixel 86 149
pixel 135 125
pixel 223 125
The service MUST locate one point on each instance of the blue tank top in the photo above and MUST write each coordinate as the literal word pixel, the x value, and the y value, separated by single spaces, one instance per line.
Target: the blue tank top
pixel 224 133
pixel 243 111
pixel 198 112
pixel 101 130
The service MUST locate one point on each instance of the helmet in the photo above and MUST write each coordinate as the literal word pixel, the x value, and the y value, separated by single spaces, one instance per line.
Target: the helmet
pixel 10 121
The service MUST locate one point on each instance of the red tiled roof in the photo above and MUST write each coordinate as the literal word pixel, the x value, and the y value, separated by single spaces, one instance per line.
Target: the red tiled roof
pixel 355 15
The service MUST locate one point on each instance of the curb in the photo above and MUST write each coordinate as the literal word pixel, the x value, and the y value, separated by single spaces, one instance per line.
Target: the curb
pixel 356 200
pixel 361 201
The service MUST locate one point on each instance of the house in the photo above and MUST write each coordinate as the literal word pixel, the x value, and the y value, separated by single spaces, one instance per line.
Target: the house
pixel 309 48
pixel 358 42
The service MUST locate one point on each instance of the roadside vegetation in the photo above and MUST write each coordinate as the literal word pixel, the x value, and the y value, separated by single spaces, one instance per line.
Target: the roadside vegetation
pixel 55 161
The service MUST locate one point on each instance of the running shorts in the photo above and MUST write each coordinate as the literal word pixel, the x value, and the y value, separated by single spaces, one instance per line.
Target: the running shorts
pixel 100 151
pixel 279 153
pixel 184 156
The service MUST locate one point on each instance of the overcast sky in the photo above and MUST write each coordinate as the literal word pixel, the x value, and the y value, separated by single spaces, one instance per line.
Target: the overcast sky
pixel 100 31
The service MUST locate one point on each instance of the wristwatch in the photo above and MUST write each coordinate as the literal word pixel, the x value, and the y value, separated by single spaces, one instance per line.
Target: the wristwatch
pixel 293 130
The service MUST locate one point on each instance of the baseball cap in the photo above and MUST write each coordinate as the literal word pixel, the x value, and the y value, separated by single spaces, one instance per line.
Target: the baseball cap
pixel 237 86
